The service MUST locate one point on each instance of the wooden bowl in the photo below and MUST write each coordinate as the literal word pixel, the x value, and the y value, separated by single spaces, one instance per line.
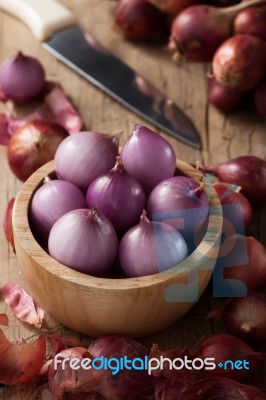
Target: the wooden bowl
pixel 97 306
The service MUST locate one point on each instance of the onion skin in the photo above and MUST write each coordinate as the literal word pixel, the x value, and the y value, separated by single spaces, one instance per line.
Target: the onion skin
pixel 253 274
pixel 33 145
pixel 150 247
pixel 222 97
pixel 139 20
pixel 260 98
pixel 84 156
pixel 246 317
pixel 225 347
pixel 249 172
pixel 50 202
pixel 84 240
pixel 172 6
pixel 251 22
pixel 148 157
pixel 22 78
pixel 228 196
pixel 119 197
pixel 198 31
pixel 240 62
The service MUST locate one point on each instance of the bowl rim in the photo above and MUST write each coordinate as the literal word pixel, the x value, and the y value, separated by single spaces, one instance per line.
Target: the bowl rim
pixel 26 240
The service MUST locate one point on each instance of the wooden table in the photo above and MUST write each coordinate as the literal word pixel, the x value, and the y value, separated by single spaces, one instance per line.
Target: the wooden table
pixel 223 137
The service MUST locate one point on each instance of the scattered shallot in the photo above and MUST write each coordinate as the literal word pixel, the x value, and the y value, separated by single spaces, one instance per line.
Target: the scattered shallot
pixel 22 78
pixel 252 273
pixel 233 68
pixel 249 172
pixel 228 195
pixel 172 6
pixel 139 20
pixel 223 97
pixel 33 145
pixel 223 347
pixel 251 22
pixel 246 317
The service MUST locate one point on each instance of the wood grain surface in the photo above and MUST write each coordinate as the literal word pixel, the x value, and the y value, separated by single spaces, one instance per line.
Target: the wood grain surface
pixel 223 137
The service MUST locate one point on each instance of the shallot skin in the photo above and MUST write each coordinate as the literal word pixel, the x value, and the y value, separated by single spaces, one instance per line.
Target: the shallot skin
pixel 240 62
pixel 198 31
pixel 251 21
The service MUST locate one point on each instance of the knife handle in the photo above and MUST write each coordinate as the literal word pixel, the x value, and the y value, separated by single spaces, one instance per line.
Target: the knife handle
pixel 43 17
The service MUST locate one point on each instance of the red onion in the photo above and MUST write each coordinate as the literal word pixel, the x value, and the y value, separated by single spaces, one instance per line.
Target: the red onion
pixel 138 20
pixel 183 203
pixel 7 223
pixel 260 98
pixel 228 195
pixel 148 157
pixel 246 317
pixel 223 97
pixel 198 31
pixel 249 172
pixel 172 6
pixel 251 22
pixel 151 247
pixel 21 78
pixel 84 156
pixel 253 274
pixel 33 145
pixel 119 197
pixel 84 240
pixel 223 347
pixel 233 68
pixel 50 202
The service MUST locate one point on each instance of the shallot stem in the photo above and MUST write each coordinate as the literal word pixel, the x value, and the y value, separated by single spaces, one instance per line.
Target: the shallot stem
pixel 235 9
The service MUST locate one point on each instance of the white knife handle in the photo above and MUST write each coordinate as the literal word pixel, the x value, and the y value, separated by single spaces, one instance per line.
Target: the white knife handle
pixel 43 17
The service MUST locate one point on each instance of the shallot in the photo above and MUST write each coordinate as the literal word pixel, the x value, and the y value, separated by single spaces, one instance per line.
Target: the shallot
pixel 84 240
pixel 223 347
pixel 228 195
pixel 253 272
pixel 252 22
pixel 199 30
pixel 84 156
pixel 151 247
pixel 138 20
pixel 240 61
pixel 246 317
pixel 118 196
pixel 182 203
pixel 52 200
pixel 223 97
pixel 248 172
pixel 148 157
pixel 22 78
pixel 33 145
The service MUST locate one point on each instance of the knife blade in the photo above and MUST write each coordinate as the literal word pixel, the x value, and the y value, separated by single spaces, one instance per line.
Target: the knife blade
pixel 55 26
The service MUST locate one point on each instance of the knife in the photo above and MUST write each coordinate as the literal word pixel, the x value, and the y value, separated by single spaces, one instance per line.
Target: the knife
pixel 55 26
